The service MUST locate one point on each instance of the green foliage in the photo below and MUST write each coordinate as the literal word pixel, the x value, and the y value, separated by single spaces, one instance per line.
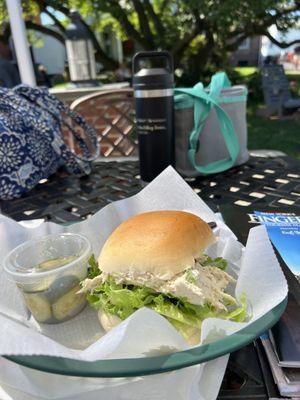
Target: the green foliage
pixel 252 79
pixel 199 33
pixel 294 78
pixel 107 22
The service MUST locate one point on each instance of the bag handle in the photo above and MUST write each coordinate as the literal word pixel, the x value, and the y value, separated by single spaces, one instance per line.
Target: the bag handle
pixel 218 82
pixel 33 94
pixel 203 103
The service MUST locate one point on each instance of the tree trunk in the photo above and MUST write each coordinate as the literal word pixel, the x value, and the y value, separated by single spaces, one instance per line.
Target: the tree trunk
pixel 204 57
pixel 106 61
pixel 46 31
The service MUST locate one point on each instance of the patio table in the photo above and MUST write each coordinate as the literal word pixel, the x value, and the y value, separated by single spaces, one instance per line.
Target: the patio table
pixel 268 181
pixel 265 181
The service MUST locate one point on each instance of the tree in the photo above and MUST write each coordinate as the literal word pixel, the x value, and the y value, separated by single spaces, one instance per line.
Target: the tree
pixel 197 32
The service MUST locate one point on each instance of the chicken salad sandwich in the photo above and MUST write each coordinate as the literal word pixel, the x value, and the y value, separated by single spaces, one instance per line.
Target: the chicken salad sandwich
pixel 157 260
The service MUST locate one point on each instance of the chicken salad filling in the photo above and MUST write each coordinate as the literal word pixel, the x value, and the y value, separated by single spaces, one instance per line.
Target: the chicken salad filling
pixel 185 300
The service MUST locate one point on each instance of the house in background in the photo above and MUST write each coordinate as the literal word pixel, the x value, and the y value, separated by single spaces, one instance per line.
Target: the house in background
pixel 248 53
pixel 49 52
pixel 253 51
pixel 52 53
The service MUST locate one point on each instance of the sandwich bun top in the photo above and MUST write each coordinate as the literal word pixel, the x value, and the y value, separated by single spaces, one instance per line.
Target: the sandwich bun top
pixel 163 243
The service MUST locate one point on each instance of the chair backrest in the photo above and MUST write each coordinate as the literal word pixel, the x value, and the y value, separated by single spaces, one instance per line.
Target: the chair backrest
pixel 275 85
pixel 111 114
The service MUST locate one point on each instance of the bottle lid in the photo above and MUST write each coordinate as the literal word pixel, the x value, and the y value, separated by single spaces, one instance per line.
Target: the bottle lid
pixel 151 78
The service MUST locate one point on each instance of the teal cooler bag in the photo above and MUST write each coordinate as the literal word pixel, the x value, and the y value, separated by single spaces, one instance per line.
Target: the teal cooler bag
pixel 210 127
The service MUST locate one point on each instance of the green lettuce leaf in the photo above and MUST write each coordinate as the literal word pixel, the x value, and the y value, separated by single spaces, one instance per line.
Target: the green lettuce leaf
pixel 239 314
pixel 190 277
pixel 93 269
pixel 178 312
pixel 218 262
pixel 187 331
pixel 124 299
pixel 118 299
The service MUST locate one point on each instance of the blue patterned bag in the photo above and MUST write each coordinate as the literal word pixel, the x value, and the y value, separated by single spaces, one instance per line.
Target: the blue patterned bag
pixel 32 145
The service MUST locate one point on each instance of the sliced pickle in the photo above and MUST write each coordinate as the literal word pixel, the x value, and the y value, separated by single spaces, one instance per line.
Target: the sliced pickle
pixel 60 287
pixel 38 285
pixel 69 304
pixel 39 306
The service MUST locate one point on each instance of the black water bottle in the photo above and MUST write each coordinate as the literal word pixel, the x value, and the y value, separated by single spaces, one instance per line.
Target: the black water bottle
pixel 153 93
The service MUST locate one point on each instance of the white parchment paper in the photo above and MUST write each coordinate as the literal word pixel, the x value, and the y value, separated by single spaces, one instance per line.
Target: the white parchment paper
pixel 145 333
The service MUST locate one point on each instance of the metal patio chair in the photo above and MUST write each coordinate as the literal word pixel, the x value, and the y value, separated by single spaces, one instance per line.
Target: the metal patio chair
pixel 276 90
pixel 111 114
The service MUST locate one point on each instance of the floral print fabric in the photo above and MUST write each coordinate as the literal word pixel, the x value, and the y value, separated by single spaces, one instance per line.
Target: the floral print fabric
pixel 31 141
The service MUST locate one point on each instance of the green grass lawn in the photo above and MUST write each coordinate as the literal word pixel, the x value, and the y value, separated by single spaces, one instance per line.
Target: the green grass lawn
pixel 64 85
pixel 245 71
pixel 266 133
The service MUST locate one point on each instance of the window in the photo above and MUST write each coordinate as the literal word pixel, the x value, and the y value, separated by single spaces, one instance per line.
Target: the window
pixel 245 45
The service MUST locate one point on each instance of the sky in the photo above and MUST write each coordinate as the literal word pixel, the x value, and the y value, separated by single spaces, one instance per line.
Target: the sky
pixel 268 48
pixel 46 20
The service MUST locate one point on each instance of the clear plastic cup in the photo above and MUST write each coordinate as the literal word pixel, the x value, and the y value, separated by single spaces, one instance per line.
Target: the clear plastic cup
pixel 48 271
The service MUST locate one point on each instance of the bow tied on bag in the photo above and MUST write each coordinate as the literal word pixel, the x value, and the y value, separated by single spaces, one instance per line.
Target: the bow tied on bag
pixel 210 126
pixel 32 145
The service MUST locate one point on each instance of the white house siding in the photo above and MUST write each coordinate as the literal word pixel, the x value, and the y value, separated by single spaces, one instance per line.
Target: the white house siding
pixel 51 53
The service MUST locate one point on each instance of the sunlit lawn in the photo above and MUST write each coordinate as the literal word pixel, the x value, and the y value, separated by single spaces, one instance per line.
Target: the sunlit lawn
pixel 264 133
pixel 276 134
pixel 245 71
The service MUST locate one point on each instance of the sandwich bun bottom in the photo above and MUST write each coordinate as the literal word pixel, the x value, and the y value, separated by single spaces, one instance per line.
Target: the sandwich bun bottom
pixel 107 320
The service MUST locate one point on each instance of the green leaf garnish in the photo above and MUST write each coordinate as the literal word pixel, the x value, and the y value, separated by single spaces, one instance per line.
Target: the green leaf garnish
pixel 93 269
pixel 189 277
pixel 218 262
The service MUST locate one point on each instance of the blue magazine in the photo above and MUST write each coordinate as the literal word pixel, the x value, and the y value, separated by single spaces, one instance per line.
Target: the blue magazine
pixel 284 232
pixel 283 229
